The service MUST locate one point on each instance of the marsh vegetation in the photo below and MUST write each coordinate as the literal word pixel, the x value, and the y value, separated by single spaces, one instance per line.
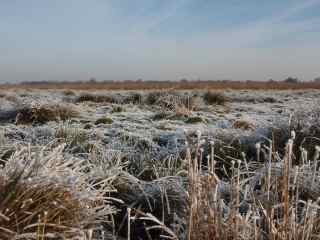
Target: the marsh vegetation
pixel 160 164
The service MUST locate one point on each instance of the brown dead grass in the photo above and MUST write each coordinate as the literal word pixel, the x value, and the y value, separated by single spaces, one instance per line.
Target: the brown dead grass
pixel 161 85
pixel 29 216
pixel 45 113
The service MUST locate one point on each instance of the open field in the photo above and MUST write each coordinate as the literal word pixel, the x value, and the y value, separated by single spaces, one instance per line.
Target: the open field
pixel 161 85
pixel 181 163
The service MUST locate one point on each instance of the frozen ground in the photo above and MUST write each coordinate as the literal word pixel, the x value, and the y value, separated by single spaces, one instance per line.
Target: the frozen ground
pixel 133 128
pixel 260 108
pixel 139 142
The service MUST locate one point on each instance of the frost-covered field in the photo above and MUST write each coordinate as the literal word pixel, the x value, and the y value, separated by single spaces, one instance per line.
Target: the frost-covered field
pixel 159 165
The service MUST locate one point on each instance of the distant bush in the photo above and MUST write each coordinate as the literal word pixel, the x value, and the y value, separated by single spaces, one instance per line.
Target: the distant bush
pixel 134 98
pixel 272 81
pixel 87 97
pixel 317 80
pixel 215 98
pixel 12 98
pixel 269 100
pixel 69 93
pixel 104 120
pixel 152 97
pixel 291 80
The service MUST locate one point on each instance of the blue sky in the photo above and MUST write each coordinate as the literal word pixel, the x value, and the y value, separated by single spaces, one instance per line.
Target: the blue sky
pixel 159 39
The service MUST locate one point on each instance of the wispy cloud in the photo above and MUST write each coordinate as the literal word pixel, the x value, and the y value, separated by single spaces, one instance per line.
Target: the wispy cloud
pixel 295 9
pixel 250 34
pixel 266 28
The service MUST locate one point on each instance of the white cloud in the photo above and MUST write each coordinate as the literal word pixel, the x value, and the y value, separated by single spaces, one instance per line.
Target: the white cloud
pixel 264 30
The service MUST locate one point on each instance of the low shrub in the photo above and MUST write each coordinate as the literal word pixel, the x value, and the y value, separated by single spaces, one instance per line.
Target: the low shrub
pixel 69 93
pixel 215 98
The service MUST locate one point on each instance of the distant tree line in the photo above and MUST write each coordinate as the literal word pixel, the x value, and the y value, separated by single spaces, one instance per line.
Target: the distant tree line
pixel 290 80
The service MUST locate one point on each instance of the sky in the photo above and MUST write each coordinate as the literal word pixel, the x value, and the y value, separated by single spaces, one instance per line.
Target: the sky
pixel 159 39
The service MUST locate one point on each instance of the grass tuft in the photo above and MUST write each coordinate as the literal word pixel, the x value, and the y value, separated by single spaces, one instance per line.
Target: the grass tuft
pixel 103 120
pixel 45 113
pixel 46 196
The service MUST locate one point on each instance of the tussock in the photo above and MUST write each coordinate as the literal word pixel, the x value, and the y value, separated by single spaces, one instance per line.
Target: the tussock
pixel 45 113
pixel 46 196
pixel 243 124
pixel 174 105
